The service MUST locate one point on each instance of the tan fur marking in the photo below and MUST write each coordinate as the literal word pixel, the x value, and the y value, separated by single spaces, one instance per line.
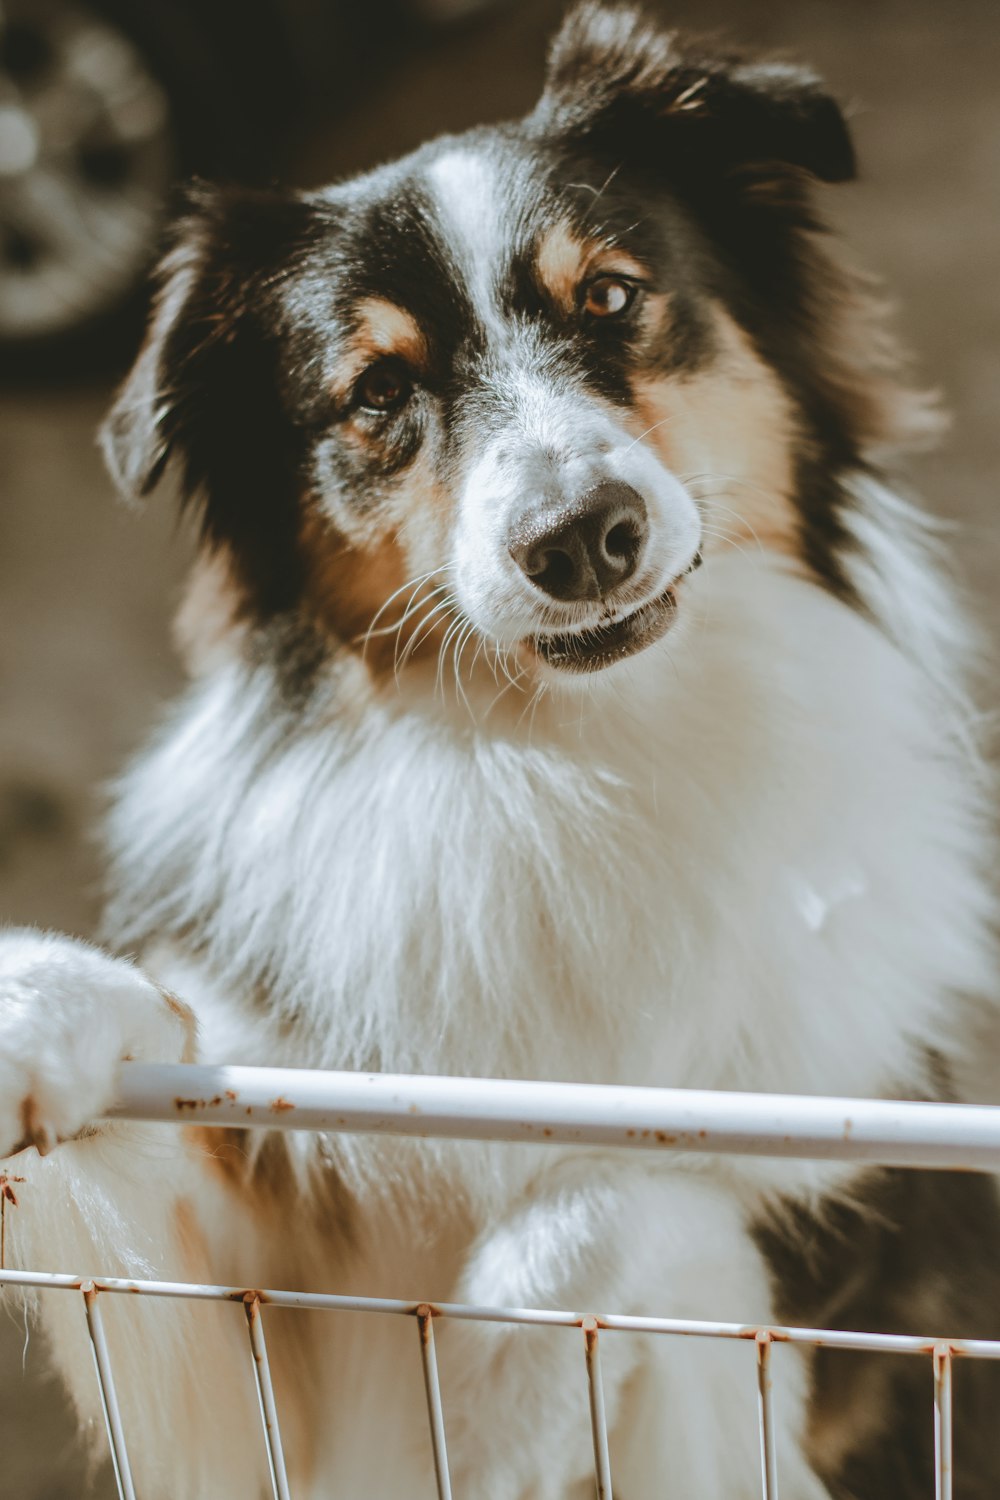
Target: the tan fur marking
pixel 728 431
pixel 353 569
pixel 561 256
pixel 348 581
pixel 226 1151
pixel 243 1160
pixel 258 1168
pixel 34 1133
pixel 383 330
pixel 564 260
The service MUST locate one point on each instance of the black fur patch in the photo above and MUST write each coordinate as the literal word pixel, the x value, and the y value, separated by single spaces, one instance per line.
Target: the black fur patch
pixel 209 385
pixel 910 1252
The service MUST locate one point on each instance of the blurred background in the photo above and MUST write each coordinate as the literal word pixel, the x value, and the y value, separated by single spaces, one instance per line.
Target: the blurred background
pixel 105 103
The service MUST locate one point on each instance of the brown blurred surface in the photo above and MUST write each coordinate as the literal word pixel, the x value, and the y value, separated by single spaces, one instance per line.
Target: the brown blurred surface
pixel 86 588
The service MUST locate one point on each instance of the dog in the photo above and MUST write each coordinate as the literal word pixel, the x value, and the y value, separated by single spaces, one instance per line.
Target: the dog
pixel 572 696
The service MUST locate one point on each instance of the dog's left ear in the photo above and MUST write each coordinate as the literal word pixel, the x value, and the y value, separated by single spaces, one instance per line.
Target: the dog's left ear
pixel 617 79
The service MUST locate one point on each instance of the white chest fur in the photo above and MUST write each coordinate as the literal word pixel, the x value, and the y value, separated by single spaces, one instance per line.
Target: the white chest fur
pixel 748 859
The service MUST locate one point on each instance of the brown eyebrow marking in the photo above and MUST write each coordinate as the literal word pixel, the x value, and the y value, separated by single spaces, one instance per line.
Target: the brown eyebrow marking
pixel 560 259
pixel 383 330
pixel 564 258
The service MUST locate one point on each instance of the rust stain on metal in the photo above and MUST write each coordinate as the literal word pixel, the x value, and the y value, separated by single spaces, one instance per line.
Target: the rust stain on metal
pixel 425 1317
pixel 763 1335
pixel 589 1326
pixel 665 1139
pixel 7 1195
pixel 424 1310
pixel 280 1104
pixel 848 1128
pixel 231 1096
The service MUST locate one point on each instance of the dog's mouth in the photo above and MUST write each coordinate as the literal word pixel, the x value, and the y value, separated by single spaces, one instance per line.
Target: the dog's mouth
pixel 597 646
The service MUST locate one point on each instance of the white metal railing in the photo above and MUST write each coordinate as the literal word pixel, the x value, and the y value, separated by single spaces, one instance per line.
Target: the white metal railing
pixel 916 1134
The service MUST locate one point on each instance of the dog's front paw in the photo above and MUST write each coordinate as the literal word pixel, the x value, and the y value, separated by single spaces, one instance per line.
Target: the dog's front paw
pixel 69 1015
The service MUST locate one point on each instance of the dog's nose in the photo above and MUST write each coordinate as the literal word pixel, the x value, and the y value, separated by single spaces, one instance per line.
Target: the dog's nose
pixel 583 550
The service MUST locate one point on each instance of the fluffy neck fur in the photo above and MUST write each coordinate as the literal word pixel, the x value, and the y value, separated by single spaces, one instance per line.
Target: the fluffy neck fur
pixel 749 858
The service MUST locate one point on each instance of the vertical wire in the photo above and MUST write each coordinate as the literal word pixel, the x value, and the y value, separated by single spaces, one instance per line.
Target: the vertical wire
pixel 435 1411
pixel 109 1396
pixel 942 1422
pixel 765 1413
pixel 598 1417
pixel 265 1395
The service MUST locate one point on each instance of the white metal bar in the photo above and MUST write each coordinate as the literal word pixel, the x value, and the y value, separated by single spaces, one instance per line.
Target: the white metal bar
pixel 765 1411
pixel 828 1338
pixel 265 1394
pixel 435 1411
pixel 109 1396
pixel 598 1416
pixel 942 1422
pixel 889 1132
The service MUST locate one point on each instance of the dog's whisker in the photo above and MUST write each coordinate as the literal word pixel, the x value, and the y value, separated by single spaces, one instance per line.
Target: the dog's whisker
pixel 413 604
pixel 459 648
pixel 420 632
pixel 453 630
pixel 656 425
pixel 414 584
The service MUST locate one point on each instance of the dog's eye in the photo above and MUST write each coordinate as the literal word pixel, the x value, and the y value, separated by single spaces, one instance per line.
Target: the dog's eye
pixel 384 387
pixel 608 297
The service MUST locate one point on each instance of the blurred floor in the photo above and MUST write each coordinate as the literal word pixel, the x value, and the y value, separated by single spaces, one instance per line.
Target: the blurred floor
pixel 86 589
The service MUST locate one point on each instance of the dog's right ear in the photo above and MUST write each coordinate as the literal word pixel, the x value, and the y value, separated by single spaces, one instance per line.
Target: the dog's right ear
pixel 205 389
pixel 140 429
pixel 221 248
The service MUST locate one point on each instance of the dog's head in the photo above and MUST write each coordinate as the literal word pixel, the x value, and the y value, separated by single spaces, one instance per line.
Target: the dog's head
pixel 514 386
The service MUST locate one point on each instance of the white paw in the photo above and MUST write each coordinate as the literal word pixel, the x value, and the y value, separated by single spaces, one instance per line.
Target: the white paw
pixel 69 1015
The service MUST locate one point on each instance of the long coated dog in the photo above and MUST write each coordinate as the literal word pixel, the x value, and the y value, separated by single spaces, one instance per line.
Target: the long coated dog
pixel 571 697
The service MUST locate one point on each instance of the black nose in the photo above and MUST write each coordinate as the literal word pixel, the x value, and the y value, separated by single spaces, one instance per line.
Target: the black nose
pixel 582 550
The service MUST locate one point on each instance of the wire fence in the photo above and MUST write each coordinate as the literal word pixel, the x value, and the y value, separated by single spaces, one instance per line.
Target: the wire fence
pixel 942 1136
